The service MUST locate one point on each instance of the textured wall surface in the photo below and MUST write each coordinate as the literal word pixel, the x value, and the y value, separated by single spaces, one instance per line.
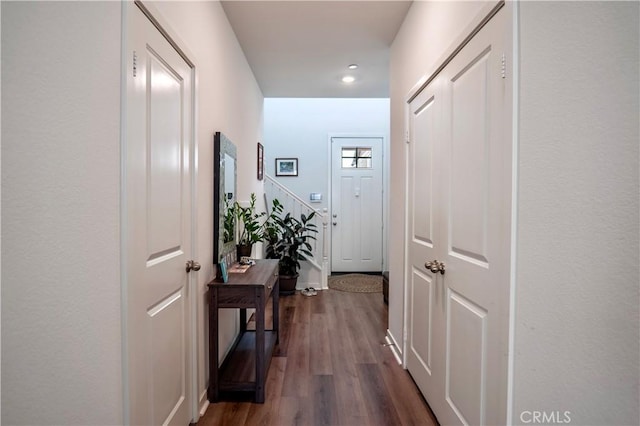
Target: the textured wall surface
pixel 576 337
pixel 61 306
pixel 61 361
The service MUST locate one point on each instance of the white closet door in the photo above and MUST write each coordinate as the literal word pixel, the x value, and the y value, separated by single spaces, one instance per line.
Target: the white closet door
pixel 425 322
pixel 462 150
pixel 158 182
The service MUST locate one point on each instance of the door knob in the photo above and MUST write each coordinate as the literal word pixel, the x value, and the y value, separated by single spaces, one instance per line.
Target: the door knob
pixel 435 266
pixel 335 223
pixel 192 265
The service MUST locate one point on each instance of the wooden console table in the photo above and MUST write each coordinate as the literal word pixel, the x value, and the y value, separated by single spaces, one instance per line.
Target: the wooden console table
pixel 245 367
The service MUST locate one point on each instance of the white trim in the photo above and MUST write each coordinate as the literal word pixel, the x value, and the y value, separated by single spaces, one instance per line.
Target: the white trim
pixel 329 234
pixel 392 343
pixel 405 246
pixel 193 278
pixel 124 229
pixel 515 129
pixel 157 19
pixel 203 401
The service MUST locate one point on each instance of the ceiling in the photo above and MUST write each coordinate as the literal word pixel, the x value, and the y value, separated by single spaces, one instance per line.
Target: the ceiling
pixel 301 49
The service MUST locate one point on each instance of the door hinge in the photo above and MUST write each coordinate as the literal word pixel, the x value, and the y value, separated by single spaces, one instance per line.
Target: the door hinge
pixel 135 63
pixel 503 68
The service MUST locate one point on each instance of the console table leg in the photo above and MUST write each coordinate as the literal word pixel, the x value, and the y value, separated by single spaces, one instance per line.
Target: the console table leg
pixel 213 393
pixel 276 310
pixel 260 343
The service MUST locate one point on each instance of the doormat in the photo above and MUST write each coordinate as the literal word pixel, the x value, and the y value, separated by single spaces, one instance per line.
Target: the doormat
pixel 356 283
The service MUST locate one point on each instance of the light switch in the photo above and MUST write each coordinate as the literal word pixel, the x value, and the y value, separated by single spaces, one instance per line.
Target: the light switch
pixel 315 197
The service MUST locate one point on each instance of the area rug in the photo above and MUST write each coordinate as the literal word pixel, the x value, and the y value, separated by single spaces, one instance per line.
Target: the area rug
pixel 356 283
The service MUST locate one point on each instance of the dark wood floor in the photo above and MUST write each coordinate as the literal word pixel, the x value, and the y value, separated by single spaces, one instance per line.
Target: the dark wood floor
pixel 331 368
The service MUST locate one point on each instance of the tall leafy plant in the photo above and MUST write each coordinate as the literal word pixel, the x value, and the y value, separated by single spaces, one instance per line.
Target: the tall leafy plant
pixel 287 238
pixel 251 230
pixel 229 221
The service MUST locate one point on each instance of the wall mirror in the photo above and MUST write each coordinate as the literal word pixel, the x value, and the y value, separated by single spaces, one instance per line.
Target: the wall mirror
pixel 224 196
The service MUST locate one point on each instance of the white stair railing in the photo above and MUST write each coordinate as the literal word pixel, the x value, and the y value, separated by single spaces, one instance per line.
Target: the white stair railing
pixel 295 205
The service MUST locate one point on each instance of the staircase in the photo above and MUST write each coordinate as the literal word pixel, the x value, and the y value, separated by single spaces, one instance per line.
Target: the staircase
pixel 313 272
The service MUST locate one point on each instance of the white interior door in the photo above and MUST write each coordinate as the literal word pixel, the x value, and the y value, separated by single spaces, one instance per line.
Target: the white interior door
pixel 461 178
pixel 158 226
pixel 356 204
pixel 425 321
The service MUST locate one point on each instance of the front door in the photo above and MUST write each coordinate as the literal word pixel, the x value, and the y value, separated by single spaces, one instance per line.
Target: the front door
pixel 459 216
pixel 356 204
pixel 157 226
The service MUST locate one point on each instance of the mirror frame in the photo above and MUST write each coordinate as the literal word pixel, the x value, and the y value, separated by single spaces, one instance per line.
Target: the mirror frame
pixel 222 146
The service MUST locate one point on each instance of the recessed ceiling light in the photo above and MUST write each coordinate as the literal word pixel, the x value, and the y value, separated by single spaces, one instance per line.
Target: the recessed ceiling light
pixel 353 66
pixel 348 79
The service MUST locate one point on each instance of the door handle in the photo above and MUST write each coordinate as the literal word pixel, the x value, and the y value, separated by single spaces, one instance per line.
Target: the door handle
pixel 435 266
pixel 192 265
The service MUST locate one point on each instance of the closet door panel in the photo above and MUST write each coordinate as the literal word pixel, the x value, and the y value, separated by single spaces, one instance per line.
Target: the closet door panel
pixel 470 160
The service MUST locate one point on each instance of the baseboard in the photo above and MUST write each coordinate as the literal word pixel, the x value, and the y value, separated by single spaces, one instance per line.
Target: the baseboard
pixel 203 403
pixel 393 345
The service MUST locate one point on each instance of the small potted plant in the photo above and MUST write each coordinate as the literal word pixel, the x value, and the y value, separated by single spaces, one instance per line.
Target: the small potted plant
pixel 287 240
pixel 250 231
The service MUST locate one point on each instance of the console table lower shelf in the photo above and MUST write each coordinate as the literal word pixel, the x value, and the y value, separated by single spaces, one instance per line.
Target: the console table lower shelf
pixel 245 367
pixel 238 371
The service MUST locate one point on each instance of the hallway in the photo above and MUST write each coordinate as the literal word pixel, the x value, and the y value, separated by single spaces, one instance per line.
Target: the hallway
pixel 331 369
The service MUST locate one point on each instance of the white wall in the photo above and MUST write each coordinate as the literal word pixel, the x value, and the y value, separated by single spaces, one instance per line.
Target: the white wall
pixel 296 127
pixel 230 101
pixel 428 31
pixel 301 127
pixel 61 342
pixel 576 336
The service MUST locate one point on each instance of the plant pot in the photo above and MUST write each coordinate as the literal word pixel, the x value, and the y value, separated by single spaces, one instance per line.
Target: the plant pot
pixel 243 250
pixel 288 284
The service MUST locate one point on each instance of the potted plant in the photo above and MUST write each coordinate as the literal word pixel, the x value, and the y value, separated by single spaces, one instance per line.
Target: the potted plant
pixel 229 221
pixel 250 231
pixel 287 240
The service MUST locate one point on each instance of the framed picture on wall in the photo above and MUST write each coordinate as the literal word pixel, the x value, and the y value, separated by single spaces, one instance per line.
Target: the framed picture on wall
pixel 260 161
pixel 286 167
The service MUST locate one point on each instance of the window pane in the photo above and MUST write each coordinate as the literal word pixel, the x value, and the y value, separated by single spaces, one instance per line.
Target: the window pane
pixel 348 163
pixel 348 152
pixel 364 152
pixel 364 163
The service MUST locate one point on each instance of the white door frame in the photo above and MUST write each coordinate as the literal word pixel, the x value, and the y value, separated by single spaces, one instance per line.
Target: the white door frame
pixel 152 13
pixel 385 191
